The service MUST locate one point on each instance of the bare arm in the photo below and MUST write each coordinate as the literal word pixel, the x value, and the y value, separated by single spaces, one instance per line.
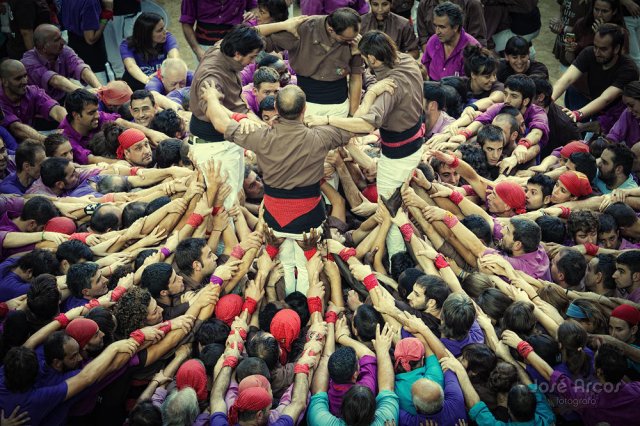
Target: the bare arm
pixel 355 92
pixel 22 131
pixel 190 36
pixel 92 36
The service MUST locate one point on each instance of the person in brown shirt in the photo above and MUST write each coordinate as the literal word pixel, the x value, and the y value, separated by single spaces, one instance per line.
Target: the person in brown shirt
pixel 473 24
pixel 402 7
pixel 291 157
pixel 323 56
pixel 395 26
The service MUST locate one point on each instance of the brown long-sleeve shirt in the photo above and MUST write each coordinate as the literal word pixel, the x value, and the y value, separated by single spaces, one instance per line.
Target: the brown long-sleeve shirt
pixel 395 26
pixel 473 23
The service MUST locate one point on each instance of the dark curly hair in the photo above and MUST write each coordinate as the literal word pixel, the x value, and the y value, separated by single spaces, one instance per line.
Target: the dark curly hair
pixel 131 311
pixel 473 154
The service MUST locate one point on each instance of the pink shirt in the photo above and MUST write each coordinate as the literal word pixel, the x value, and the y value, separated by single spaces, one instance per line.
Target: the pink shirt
pixel 434 61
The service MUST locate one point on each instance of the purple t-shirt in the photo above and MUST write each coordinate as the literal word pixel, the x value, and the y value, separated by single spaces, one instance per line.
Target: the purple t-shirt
pixel 7 226
pixel 434 57
pixel 368 377
pixel 34 103
pixel 11 285
pixel 79 142
pixel 215 12
pixel 326 7
pixel 534 264
pixel 250 98
pixel 534 118
pixel 475 335
pixel 151 66
pixel 40 70
pixel 626 129
pixel 79 16
pixel 11 185
pixel 155 83
pixel 80 190
pixel 72 302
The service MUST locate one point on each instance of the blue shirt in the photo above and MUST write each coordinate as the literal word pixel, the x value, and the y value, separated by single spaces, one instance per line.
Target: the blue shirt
pixel 79 16
pixel 602 187
pixel 543 416
pixel 220 419
pixel 11 285
pixel 72 302
pixel 318 413
pixel 11 185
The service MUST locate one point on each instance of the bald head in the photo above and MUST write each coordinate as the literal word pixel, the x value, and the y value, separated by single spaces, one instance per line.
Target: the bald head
pixel 44 33
pixel 290 102
pixel 427 396
pixel 10 68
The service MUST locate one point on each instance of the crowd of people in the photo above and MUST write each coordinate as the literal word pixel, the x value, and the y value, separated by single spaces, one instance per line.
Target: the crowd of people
pixel 354 216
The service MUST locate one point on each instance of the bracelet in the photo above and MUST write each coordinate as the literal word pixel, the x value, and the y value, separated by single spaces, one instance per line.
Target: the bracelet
pixel 347 253
pixel 195 220
pixel 241 332
pixel 524 349
pixel 215 280
pixel 450 220
pixel 330 317
pixel 165 327
pixel 591 248
pixel 370 282
pixel 117 293
pixel 138 336
pixel 407 231
pixel 4 309
pixel 230 361
pixel 566 211
pixel 314 304
pixel 271 251
pixel 462 275
pixel 134 171
pixel 455 163
pixel 308 254
pixel 93 303
pixel 249 304
pixel 524 142
pixel 165 252
pixel 440 262
pixel 236 116
pixel 104 21
pixel 42 236
pixel 215 210
pixel 62 319
pixel 473 106
pixel 534 297
pixel 578 115
pixel 238 252
pixel 456 197
pixel 466 133
pixel 301 368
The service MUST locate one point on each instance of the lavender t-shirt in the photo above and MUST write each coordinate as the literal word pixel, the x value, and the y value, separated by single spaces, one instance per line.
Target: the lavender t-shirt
pixel 151 66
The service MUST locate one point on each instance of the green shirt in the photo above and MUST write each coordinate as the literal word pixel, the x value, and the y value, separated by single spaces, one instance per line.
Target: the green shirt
pixel 318 414
pixel 430 370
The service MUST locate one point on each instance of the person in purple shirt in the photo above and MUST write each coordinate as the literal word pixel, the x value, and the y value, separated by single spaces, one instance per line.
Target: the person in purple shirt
pixel 627 127
pixel 51 64
pixel 266 82
pixel 143 52
pixel 212 21
pixel 443 53
pixel 85 282
pixel 326 7
pixel 16 273
pixel 29 157
pixel 172 75
pixel 60 178
pixel 23 103
pixel 459 325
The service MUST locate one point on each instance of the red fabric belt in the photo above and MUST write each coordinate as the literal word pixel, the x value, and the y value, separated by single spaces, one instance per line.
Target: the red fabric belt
pixel 286 210
pixel 419 134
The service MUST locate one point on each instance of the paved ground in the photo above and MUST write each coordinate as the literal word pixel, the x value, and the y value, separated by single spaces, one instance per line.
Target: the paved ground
pixel 543 44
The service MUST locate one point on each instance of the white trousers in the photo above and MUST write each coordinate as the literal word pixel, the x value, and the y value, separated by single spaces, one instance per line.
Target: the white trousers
pixel 231 158
pixel 292 258
pixel 334 110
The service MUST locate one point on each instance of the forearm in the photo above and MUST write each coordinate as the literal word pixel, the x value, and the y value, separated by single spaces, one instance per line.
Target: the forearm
pixel 22 131
pixel 596 106
pixel 559 88
pixel 19 239
pixel 351 191
pixel 61 83
pixel 92 36
pixel 469 239
pixel 218 115
pixel 351 124
pixel 135 71
pixel 471 397
pixel 380 243
pixel 355 92
pixel 190 36
pixel 221 383
pixel 90 78
pixel 386 374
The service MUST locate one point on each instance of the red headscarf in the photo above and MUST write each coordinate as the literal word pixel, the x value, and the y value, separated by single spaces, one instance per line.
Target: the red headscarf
pixel 627 313
pixel 285 327
pixel 250 399
pixel 193 375
pixel 407 350
pixel 127 139
pixel 228 307
pixel 513 195
pixel 576 183
pixel 116 92
pixel 82 330
pixel 61 224
pixel 254 381
pixel 573 147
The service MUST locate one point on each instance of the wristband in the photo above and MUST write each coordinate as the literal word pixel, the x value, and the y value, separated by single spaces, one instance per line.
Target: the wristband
pixel 236 116
pixel 524 349
pixel 301 368
pixel 347 253
pixel 106 14
pixel 469 190
pixel 310 253
pixel 566 211
pixel 591 248
pixel 195 220
pixel 524 142
pixel 165 327
pixel 93 303
pixel 241 332
pixel 370 282
pixel 271 251
pixel 108 198
pixel 407 231
pixel 117 293
pixel 455 163
pixel 330 317
pixel 230 361
pixel 165 252
pixel 80 236
pixel 216 280
pixel 237 252
pixel 104 21
pixel 466 133
pixel 578 115
pixel 215 210
pixel 138 336
pixel 450 220
pixel 134 171
pixel 330 257
pixel 456 197
pixel 249 304
pixel 4 309
pixel 63 320
pixel 440 262
pixel 314 304
pixel 473 106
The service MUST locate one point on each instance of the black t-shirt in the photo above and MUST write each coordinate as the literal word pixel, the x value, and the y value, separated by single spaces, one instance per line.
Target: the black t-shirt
pixel 562 130
pixel 126 7
pixel 535 68
pixel 599 79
